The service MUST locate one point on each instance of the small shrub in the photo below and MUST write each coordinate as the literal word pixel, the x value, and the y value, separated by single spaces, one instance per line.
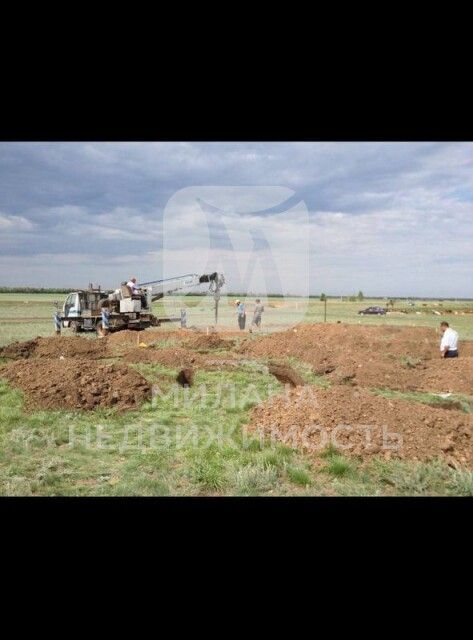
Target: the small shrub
pixel 415 479
pixel 209 475
pixel 298 476
pixel 338 466
pixel 255 479
pixel 329 451
pixel 461 483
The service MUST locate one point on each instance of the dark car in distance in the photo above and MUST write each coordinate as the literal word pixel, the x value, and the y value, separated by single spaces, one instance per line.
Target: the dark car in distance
pixel 372 311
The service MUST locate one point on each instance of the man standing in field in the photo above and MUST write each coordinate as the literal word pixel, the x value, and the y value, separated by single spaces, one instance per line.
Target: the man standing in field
pixel 259 308
pixel 241 313
pixel 449 342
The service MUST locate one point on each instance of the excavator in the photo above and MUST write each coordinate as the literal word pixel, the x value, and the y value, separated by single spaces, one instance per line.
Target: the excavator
pixel 84 310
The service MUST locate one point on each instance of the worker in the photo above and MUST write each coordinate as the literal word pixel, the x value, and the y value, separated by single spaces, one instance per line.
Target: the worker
pixel 259 308
pixel 449 342
pixel 135 290
pixel 241 313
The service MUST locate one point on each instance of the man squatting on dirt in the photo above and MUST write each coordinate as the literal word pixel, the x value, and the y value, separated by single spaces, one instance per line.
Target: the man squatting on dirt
pixel 449 342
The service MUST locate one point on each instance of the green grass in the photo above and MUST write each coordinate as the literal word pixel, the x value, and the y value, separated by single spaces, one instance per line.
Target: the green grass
pixel 200 313
pixel 337 465
pixel 413 480
pixel 461 483
pixel 199 448
pixel 181 445
pixel 458 401
pixel 299 476
pixel 196 444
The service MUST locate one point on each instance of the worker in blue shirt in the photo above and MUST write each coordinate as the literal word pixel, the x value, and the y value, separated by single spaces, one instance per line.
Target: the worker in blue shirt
pixel 241 313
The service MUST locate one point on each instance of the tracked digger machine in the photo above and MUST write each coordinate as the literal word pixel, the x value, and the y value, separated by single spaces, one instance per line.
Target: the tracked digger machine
pixel 83 310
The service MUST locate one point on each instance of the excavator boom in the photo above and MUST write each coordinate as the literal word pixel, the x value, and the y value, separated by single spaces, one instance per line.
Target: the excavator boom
pixel 159 288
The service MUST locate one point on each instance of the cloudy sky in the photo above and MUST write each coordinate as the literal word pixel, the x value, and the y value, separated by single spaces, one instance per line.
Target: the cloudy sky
pixel 387 218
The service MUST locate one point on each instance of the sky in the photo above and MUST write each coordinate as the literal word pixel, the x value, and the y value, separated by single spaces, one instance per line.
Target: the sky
pixel 385 218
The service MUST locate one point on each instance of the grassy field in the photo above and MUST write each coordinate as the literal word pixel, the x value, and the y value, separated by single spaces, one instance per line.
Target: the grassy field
pixel 180 447
pixel 25 316
pixel 176 446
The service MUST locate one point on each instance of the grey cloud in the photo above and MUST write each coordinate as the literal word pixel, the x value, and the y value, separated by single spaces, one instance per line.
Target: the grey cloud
pixel 105 201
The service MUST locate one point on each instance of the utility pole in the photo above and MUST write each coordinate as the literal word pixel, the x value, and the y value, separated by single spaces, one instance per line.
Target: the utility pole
pixel 217 298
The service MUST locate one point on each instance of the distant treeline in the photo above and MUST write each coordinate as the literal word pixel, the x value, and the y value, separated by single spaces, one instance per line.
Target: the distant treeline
pixel 245 294
pixel 32 290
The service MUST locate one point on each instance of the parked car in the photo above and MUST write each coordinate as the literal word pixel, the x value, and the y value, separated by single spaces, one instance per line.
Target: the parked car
pixel 372 311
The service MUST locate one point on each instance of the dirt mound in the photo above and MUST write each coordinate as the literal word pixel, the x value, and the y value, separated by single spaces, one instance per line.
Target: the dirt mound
pixel 204 342
pixel 359 423
pixel 178 357
pixel 55 348
pixel 286 374
pixel 76 384
pixel 318 343
pixel 400 358
pixel 126 338
pixel 170 357
pixel 18 350
pixel 448 375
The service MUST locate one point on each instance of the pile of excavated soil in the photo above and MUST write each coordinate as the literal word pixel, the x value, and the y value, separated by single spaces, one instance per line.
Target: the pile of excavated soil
pixel 353 420
pixel 73 383
pixel 285 374
pixel 453 375
pixel 130 338
pixel 400 358
pixel 55 348
pixel 321 342
pixel 204 342
pixel 169 356
pixel 127 338
pixel 18 350
pixel 179 357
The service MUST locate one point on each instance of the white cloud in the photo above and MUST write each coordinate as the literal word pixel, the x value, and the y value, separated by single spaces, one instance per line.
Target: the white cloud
pixel 10 223
pixel 386 217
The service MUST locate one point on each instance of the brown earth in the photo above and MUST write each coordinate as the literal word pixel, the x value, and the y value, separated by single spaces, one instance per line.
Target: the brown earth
pixel 308 417
pixel 18 350
pixel 350 356
pixel 185 377
pixel 285 374
pixel 168 356
pixel 204 342
pixel 128 338
pixel 123 340
pixel 400 358
pixel 55 348
pixel 74 383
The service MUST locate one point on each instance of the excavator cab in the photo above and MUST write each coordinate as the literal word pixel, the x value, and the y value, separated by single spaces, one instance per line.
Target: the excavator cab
pixel 130 302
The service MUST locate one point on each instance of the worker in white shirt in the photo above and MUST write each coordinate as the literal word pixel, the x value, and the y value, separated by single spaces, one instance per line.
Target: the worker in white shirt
pixel 449 342
pixel 136 291
pixel 133 286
